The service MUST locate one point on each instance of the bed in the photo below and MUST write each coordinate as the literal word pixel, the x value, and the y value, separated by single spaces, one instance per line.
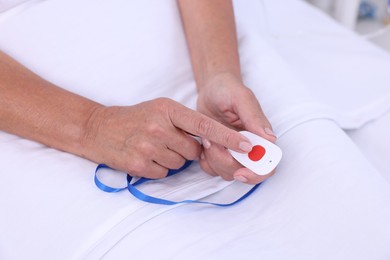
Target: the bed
pixel 325 90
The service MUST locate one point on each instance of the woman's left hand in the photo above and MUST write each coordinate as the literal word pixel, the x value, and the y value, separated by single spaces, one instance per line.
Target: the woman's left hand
pixel 228 101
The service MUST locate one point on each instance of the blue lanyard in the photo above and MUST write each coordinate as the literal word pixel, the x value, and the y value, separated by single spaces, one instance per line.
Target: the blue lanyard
pixel 131 187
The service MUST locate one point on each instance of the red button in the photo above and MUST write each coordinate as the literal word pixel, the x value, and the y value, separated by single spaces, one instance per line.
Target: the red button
pixel 257 153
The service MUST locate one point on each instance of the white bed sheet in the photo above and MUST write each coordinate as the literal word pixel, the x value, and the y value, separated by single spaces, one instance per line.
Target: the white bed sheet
pixel 315 207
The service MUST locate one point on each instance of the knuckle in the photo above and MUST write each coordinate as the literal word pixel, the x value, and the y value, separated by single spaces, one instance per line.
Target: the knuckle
pixel 193 151
pixel 136 167
pixel 159 174
pixel 163 100
pixel 163 103
pixel 178 163
pixel 228 138
pixel 204 127
pixel 194 154
pixel 247 93
pixel 155 129
pixel 144 147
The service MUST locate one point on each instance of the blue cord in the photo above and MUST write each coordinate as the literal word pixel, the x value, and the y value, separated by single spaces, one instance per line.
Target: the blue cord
pixel 131 187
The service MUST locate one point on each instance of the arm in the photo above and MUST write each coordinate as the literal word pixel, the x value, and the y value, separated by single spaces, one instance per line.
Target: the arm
pixel 211 36
pixel 35 109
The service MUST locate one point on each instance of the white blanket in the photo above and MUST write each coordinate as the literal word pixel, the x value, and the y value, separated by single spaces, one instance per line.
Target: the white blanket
pixel 303 68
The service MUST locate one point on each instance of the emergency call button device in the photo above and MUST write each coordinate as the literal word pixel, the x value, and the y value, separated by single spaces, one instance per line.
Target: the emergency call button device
pixel 264 156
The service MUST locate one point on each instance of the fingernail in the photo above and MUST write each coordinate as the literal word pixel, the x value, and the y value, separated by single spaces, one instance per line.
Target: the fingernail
pixel 206 143
pixel 202 156
pixel 268 131
pixel 240 178
pixel 245 146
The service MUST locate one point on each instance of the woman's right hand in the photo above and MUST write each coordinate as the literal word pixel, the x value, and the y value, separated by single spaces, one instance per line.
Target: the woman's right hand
pixel 151 137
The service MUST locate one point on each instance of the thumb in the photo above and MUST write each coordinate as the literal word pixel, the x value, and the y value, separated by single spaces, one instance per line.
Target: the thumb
pixel 254 120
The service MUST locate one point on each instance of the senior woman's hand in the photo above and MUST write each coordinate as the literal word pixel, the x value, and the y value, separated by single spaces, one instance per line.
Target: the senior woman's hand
pixel 227 100
pixel 149 138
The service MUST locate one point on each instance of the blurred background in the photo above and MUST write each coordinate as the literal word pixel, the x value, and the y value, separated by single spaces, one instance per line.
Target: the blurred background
pixel 370 18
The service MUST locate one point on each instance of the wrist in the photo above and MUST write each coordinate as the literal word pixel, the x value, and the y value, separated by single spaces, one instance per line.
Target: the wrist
pixel 88 138
pixel 224 78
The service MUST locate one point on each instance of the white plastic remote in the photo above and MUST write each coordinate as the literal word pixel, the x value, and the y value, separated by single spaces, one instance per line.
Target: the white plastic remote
pixel 263 158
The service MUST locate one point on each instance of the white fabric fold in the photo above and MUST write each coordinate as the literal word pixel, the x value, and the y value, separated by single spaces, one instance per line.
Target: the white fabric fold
pixel 303 67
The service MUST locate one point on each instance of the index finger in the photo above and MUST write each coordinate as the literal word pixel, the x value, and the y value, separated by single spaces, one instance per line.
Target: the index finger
pixel 201 125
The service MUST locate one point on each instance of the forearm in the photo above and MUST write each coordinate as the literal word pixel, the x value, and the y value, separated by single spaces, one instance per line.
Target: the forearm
pixel 38 110
pixel 211 35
